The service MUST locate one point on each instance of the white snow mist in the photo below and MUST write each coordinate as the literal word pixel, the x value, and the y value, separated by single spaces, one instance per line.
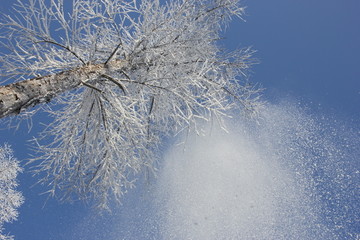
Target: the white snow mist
pixel 285 177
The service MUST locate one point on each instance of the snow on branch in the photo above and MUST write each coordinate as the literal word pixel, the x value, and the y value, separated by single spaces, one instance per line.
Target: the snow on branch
pixel 10 199
pixel 140 70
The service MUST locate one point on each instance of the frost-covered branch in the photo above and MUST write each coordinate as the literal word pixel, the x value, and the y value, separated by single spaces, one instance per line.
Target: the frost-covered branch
pixel 129 72
pixel 10 199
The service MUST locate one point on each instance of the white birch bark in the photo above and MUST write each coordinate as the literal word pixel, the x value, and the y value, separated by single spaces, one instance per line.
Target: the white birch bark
pixel 18 96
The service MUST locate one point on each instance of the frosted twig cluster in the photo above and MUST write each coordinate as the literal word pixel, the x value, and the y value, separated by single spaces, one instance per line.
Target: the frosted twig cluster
pixel 131 72
pixel 10 199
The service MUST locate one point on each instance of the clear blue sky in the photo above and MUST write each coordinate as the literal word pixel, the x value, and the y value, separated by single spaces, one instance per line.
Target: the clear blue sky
pixel 308 50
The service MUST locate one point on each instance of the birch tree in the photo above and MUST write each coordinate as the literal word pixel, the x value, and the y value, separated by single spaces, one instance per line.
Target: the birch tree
pixel 125 73
pixel 10 198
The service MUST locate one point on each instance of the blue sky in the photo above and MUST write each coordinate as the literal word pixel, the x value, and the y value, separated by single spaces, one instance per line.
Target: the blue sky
pixel 309 49
pixel 309 52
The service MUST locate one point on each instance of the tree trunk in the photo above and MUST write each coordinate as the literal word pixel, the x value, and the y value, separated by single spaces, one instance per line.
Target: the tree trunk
pixel 18 96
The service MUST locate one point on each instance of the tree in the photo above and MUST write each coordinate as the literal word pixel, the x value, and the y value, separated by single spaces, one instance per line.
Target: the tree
pixel 125 73
pixel 10 199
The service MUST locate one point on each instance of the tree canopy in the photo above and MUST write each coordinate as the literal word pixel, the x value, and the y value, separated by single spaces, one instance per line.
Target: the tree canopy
pixel 125 73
